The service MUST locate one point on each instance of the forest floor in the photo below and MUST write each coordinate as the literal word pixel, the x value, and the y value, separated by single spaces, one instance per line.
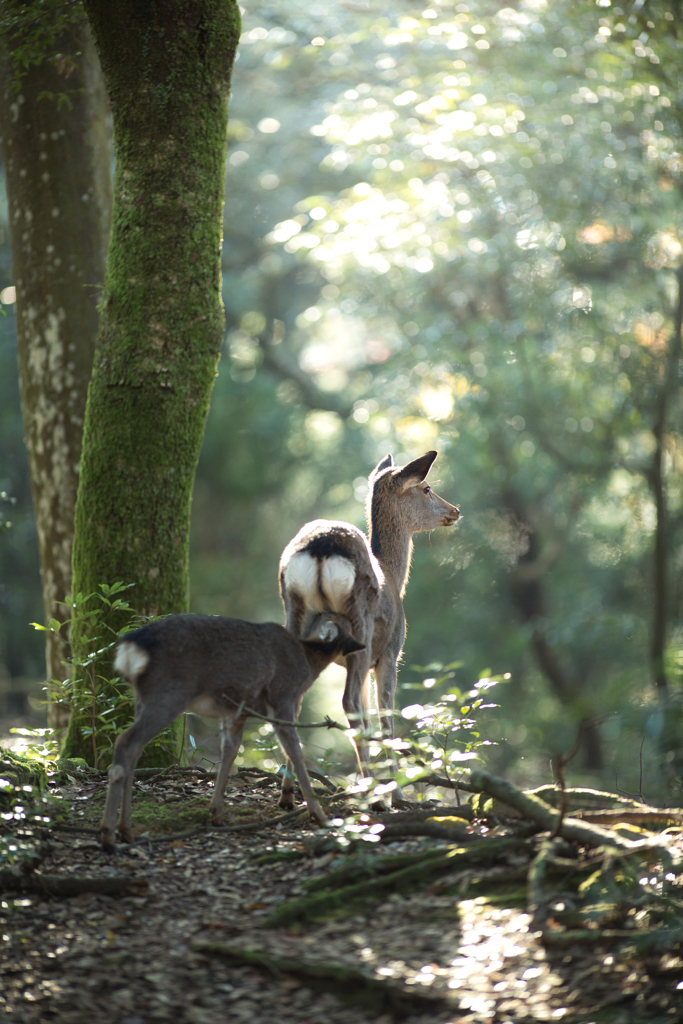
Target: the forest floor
pixel 195 942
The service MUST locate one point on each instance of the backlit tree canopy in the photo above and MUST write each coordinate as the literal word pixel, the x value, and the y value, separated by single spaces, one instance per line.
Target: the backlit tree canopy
pixel 469 222
pixel 459 227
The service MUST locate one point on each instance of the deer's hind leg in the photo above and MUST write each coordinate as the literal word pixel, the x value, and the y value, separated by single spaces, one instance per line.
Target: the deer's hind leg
pixel 150 721
pixel 357 689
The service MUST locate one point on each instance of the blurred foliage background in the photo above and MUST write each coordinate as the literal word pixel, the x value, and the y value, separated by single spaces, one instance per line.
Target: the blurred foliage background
pixel 459 228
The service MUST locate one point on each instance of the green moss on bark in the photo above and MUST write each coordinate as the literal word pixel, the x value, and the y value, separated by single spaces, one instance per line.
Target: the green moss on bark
pixel 167 66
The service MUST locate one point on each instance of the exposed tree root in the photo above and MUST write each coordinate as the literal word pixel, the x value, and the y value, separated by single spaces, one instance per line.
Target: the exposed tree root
pixel 559 852
pixel 361 868
pixel 530 806
pixel 415 875
pixel 349 984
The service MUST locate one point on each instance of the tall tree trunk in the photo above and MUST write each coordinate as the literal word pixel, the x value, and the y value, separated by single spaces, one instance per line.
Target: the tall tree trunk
pixel 167 66
pixel 57 166
pixel 669 737
pixel 526 590
pixel 657 481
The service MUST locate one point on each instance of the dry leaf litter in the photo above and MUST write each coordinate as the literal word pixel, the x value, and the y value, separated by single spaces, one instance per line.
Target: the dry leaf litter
pixel 135 959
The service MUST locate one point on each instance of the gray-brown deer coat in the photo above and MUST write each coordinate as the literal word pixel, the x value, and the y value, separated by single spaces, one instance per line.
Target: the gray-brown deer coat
pixel 332 566
pixel 219 668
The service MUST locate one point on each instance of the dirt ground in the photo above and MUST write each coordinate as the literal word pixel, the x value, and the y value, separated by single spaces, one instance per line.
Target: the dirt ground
pixel 439 955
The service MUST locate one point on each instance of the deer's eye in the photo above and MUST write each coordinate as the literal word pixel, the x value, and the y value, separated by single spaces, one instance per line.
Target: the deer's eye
pixel 427 489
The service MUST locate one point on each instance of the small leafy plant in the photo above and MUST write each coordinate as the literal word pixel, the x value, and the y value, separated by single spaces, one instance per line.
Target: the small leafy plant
pixel 440 738
pixel 40 744
pixel 26 808
pixel 104 704
pixel 446 734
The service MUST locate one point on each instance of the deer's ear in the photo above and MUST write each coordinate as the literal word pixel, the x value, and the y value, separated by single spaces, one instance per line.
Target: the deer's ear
pixel 384 463
pixel 351 645
pixel 416 471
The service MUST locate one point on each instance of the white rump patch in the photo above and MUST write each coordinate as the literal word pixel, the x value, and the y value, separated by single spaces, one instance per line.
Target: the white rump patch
pixel 338 575
pixel 130 660
pixel 324 585
pixel 301 576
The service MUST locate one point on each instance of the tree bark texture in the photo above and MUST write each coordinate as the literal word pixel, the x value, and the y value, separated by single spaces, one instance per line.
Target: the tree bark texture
pixel 661 612
pixel 58 174
pixel 167 67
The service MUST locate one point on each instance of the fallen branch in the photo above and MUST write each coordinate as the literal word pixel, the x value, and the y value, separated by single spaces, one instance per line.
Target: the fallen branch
pixel 151 774
pixel 431 779
pixel 252 826
pixel 647 816
pixel 422 814
pixel 329 785
pixel 350 985
pixel 242 709
pixel 57 826
pixel 582 797
pixel 577 796
pixel 72 885
pixel 448 829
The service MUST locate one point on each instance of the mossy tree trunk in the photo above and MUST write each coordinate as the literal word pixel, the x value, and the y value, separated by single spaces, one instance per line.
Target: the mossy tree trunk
pixel 167 67
pixel 57 167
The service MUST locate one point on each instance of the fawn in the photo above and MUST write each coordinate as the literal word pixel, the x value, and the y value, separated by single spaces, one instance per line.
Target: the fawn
pixel 219 668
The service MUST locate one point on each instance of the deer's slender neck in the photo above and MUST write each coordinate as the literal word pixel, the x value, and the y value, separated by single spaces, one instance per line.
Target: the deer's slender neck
pixel 392 545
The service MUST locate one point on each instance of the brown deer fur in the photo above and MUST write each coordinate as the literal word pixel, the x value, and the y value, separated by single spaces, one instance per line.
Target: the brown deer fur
pixel 218 668
pixel 332 566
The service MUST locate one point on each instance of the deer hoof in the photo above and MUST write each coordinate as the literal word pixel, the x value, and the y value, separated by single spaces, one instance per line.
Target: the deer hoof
pixel 108 840
pixel 317 812
pixel 286 802
pixel 125 834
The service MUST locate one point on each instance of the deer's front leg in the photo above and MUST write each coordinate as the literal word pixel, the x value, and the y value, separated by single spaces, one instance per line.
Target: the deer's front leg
pixel 385 675
pixel 287 736
pixel 231 737
pixel 286 800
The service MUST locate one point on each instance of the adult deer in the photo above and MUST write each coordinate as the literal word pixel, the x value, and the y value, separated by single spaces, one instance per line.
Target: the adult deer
pixel 332 566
